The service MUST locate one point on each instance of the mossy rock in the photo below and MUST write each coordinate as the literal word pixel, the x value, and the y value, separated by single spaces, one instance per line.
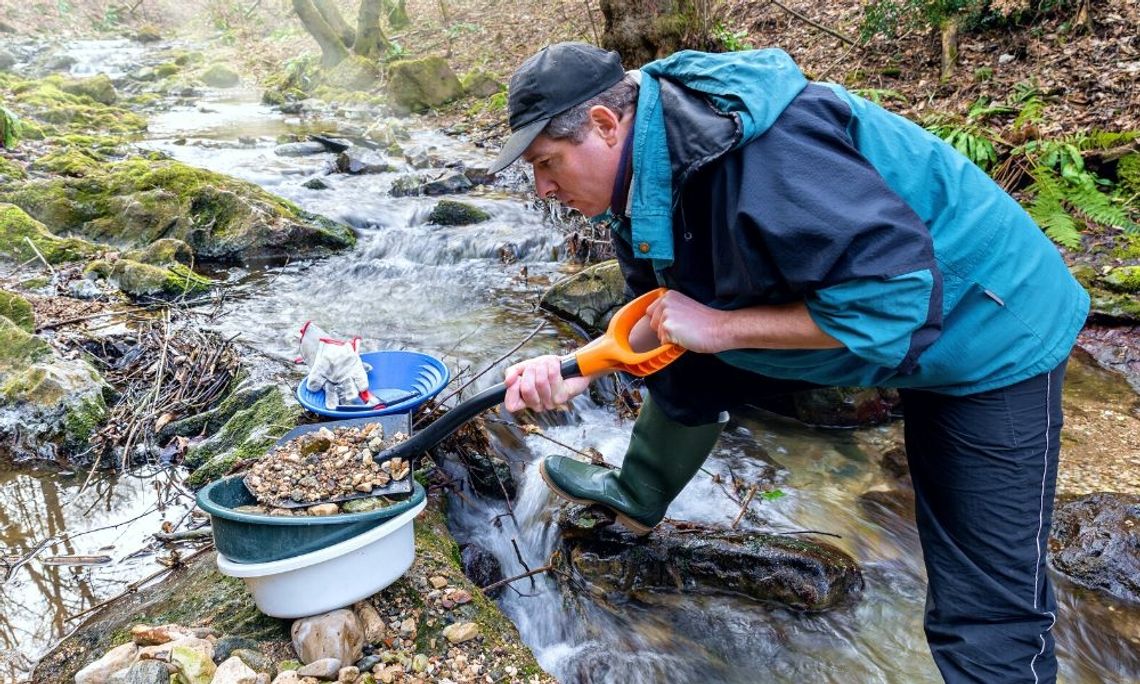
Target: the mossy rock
pixel 1123 279
pixel 163 252
pixel 11 171
pixel 220 76
pixel 138 279
pixel 17 310
pixel 17 229
pixel 98 88
pixel 452 213
pixel 19 349
pixel 133 202
pixel 46 101
pixel 167 69
pixel 68 161
pixel 354 73
pixel 249 433
pixel 148 33
pixel 589 297
pixel 479 83
pixel 420 84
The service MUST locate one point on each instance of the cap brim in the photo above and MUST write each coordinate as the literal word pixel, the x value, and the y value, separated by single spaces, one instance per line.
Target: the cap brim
pixel 517 144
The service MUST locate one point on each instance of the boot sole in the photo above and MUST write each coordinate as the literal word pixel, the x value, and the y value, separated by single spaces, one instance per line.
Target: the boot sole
pixel 626 521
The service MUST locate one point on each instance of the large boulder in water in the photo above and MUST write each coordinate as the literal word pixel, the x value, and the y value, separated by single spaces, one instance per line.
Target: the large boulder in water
pixel 136 201
pixel 1096 543
pixel 589 297
pixel 416 85
pixel 790 571
pixel 49 406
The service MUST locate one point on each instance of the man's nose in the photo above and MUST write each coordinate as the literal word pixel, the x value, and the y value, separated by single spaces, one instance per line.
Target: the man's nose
pixel 543 185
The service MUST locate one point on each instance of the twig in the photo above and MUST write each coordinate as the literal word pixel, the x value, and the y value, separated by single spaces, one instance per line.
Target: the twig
pixel 185 535
pixel 528 573
pixel 27 557
pixel 475 377
pixel 40 255
pixel 593 26
pixel 744 505
pixel 828 534
pixel 518 555
pixel 252 7
pixel 134 586
pixel 821 27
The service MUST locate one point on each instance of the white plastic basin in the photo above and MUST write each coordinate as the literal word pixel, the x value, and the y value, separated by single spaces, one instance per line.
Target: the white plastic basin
pixel 333 577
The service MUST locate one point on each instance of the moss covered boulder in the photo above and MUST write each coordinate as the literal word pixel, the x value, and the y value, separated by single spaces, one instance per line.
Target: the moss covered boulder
pixel 17 310
pixel 589 297
pixel 220 76
pixel 479 83
pixel 136 201
pixel 98 88
pixel 58 111
pixel 247 434
pixel 19 232
pixel 453 213
pixel 416 85
pixel 49 406
pixel 354 73
pixel 140 279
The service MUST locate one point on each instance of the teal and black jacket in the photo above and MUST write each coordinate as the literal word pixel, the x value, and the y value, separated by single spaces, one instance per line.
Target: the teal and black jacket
pixel 752 186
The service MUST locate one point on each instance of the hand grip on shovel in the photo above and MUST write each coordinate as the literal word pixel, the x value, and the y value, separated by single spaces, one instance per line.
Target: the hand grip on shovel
pixel 610 352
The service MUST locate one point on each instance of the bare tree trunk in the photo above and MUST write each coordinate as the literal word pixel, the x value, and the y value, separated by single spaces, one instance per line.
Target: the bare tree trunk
pixel 335 21
pixel 370 41
pixel 1084 17
pixel 333 50
pixel 949 46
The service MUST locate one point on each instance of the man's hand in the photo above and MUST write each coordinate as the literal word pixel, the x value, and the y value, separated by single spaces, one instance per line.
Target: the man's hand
pixel 678 319
pixel 537 384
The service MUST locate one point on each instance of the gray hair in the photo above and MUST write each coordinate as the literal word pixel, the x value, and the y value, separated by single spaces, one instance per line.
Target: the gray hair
pixel 575 122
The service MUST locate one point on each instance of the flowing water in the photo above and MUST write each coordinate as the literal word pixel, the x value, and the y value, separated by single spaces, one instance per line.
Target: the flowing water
pixel 446 291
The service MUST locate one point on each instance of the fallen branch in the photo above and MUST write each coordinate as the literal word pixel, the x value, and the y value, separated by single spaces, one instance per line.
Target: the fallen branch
pixel 819 26
pixel 39 254
pixel 185 535
pixel 529 573
pixel 744 505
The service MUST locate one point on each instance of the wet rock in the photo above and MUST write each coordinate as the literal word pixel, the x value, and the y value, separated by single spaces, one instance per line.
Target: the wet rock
pixel 899 502
pixel 420 84
pixel 7 60
pixel 315 184
pixel 589 298
pixel 478 175
pixel 845 406
pixel 143 672
pixel 325 668
pixel 59 62
pixel 49 406
pixel 446 183
pixel 118 658
pixel 220 76
pixel 452 213
pixel 1096 543
pixel 480 565
pixel 335 635
pixel 790 571
pixel 148 34
pixel 225 647
pixel 359 162
pixel 490 475
pixel 234 671
pixel 148 635
pixel 299 149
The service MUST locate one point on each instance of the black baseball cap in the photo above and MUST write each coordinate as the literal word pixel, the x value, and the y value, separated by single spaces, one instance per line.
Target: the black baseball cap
pixel 548 83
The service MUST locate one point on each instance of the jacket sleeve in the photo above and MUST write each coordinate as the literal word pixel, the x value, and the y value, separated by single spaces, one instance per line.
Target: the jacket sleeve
pixel 841 238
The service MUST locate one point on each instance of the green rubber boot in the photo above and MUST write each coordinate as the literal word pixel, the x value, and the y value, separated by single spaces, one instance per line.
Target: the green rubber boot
pixel 663 456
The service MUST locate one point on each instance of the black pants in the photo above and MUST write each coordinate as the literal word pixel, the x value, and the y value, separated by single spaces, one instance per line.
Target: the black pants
pixel 984 468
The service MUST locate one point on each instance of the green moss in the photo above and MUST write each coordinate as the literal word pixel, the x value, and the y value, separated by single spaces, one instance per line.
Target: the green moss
pixel 247 434
pixel 19 349
pixel 167 69
pixel 163 252
pixel 83 418
pixel 1129 248
pixel 17 309
pixel 17 229
pixel 220 76
pixel 1123 279
pixel 139 279
pixel 453 213
pixel 417 85
pixel 11 170
pixel 354 73
pixel 97 89
pixel 479 83
pixel 68 161
pixel 47 101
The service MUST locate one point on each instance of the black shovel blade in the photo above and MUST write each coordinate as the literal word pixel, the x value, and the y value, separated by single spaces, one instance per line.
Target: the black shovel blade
pixel 391 423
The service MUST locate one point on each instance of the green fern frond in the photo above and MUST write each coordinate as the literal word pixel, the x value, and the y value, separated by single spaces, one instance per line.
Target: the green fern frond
pixel 1104 140
pixel 1048 210
pixel 879 95
pixel 970 140
pixel 1098 207
pixel 1032 112
pixel 1128 172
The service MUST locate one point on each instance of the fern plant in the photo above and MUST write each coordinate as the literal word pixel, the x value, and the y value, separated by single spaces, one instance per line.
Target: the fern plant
pixel 1066 196
pixel 969 138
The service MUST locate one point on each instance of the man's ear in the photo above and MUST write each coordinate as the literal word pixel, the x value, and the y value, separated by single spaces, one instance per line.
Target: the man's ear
pixel 605 122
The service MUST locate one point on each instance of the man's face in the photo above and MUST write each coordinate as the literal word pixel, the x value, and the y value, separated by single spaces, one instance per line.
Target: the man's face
pixel 579 175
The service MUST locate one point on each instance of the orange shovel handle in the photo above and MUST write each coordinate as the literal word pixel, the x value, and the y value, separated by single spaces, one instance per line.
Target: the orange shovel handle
pixel 612 350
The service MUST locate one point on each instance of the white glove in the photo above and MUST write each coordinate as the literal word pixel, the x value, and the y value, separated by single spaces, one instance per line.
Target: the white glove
pixel 335 367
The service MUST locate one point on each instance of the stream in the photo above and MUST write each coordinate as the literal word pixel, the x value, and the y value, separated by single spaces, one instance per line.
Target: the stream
pixel 446 291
